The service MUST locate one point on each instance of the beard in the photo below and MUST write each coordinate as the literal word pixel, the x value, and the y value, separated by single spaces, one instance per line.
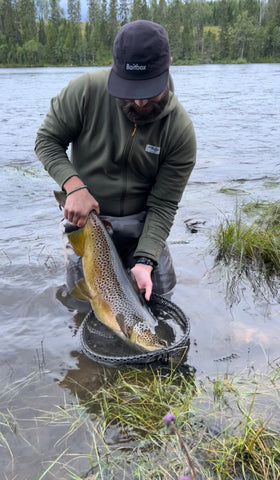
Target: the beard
pixel 147 113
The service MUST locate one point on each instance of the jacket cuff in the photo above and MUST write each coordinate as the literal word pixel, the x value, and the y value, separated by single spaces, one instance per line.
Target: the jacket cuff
pixel 148 247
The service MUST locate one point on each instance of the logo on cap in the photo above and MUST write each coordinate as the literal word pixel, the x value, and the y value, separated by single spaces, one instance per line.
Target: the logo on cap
pixel 135 66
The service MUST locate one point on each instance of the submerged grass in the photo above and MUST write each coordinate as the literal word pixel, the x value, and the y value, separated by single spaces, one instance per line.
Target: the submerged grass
pixel 229 425
pixel 245 448
pixel 257 244
pixel 128 400
pixel 252 248
pixel 254 453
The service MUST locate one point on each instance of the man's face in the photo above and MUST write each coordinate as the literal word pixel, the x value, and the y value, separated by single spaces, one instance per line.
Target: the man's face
pixel 148 109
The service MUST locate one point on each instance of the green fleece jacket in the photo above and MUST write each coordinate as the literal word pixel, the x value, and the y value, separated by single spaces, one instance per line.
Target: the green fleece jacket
pixel 127 168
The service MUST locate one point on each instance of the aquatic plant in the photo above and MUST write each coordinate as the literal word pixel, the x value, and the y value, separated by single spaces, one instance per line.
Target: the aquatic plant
pixel 169 419
pixel 128 400
pixel 230 424
pixel 251 249
pixel 255 454
pixel 267 213
pixel 5 423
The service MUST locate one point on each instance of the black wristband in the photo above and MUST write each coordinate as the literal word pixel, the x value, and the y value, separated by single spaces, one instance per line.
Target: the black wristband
pixel 145 261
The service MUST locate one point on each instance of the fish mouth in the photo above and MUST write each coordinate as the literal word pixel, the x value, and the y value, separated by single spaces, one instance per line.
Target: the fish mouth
pixel 159 346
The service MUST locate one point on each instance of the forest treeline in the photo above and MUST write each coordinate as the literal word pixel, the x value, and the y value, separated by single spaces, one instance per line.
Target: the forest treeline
pixel 40 33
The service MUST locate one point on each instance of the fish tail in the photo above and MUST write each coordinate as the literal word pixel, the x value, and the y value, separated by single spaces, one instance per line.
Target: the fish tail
pixel 60 197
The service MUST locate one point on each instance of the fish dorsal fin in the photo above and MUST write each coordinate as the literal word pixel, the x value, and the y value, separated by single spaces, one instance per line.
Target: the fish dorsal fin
pixel 77 240
pixel 134 284
pixel 108 227
pixel 122 325
pixel 81 291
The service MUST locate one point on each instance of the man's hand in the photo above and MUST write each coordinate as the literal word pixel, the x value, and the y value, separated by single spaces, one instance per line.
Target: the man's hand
pixel 142 274
pixel 79 203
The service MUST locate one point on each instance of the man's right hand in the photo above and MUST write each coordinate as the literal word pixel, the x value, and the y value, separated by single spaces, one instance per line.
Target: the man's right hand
pixel 79 203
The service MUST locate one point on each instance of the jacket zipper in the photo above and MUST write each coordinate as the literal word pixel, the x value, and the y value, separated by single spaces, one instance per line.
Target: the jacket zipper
pixel 134 130
pixel 126 153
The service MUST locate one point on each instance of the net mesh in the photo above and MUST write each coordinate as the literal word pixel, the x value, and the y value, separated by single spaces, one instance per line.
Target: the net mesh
pixel 102 345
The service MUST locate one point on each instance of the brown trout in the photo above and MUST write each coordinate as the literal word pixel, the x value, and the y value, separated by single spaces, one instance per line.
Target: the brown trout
pixel 107 286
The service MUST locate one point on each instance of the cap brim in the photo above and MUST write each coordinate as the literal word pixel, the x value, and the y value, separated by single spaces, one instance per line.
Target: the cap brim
pixel 137 89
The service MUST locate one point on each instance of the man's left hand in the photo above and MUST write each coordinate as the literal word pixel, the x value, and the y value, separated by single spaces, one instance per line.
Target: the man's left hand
pixel 142 274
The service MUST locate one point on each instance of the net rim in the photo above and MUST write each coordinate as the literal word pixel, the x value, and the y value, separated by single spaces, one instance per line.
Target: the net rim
pixel 178 349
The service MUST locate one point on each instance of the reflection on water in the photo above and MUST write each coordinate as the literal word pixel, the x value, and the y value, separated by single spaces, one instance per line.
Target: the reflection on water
pixel 236 117
pixel 86 377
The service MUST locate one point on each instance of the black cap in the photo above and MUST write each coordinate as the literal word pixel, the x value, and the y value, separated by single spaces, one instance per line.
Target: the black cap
pixel 141 61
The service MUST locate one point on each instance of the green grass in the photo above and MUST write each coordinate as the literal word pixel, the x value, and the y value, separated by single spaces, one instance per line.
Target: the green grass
pixel 256 244
pixel 245 446
pixel 229 424
pixel 251 247
pixel 128 400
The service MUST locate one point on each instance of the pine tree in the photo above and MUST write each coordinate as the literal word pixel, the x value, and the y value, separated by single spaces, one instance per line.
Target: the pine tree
pixel 198 30
pixel 42 9
pixel 162 13
pixel 73 41
pixel 224 31
pixel 112 27
pixel 74 10
pixel 27 20
pixel 139 10
pixel 123 12
pixel 188 47
pixel 9 23
pixel 55 12
pixel 42 36
pixel 53 44
pixel 92 11
pixel 174 28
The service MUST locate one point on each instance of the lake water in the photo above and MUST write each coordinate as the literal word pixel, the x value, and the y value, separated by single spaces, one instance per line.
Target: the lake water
pixel 235 111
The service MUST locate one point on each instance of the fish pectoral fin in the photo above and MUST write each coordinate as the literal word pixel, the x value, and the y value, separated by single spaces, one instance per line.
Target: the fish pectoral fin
pixel 77 240
pixel 122 325
pixel 81 291
pixel 134 284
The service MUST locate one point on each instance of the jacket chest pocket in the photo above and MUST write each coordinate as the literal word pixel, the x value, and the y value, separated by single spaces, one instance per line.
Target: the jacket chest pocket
pixel 145 164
